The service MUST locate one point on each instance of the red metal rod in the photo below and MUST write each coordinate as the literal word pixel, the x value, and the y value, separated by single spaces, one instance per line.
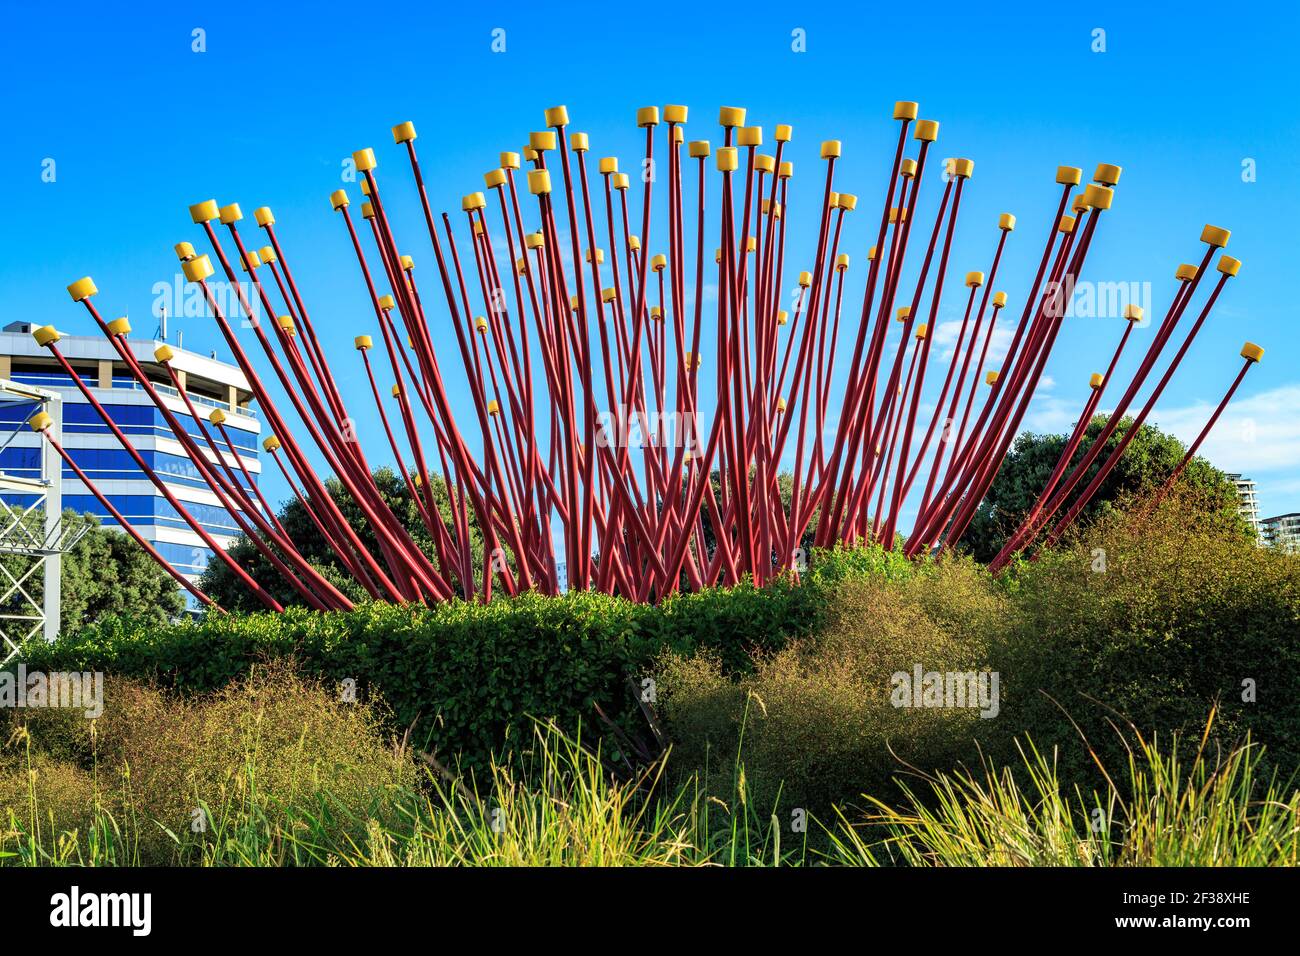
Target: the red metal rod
pixel 125 525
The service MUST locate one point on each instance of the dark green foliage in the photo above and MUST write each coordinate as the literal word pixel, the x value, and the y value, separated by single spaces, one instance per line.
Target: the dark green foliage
pixel 1146 464
pixel 814 725
pixel 1155 619
pixel 1152 619
pixel 221 584
pixel 461 673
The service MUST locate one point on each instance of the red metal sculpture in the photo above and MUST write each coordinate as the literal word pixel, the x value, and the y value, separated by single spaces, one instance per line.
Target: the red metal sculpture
pixel 580 346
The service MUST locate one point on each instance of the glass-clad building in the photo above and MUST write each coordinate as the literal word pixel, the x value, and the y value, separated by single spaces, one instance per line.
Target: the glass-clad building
pixel 208 382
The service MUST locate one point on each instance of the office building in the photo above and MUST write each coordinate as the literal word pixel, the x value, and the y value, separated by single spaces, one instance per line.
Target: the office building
pixel 208 382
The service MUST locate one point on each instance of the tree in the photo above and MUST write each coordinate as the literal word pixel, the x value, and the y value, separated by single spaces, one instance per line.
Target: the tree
pixel 105 573
pixel 1145 465
pixel 221 584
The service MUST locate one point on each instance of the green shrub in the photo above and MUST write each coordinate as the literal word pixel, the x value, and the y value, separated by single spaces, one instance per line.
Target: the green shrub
pixel 1216 809
pixel 270 743
pixel 1185 611
pixel 1154 620
pixel 460 674
pixel 815 722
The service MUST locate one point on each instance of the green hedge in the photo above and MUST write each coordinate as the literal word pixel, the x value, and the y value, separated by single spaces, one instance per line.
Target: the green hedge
pixel 462 673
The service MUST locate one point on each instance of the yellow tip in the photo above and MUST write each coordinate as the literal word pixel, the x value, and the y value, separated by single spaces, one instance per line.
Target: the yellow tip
pixel 197 269
pixel 731 116
pixel 46 335
pixel 542 140
pixel 539 182
pixel 1228 265
pixel 1107 174
pixel 364 160
pixel 1069 175
pixel 927 131
pixel 1098 197
pixel 1215 236
pixel 205 211
pixel 83 288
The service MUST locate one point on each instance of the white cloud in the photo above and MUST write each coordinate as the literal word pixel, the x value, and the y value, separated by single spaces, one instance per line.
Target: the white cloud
pixel 1049 414
pixel 945 339
pixel 1260 433
pixel 1253 435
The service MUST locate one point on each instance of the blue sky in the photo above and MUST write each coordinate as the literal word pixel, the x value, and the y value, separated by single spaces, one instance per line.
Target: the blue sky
pixel 139 126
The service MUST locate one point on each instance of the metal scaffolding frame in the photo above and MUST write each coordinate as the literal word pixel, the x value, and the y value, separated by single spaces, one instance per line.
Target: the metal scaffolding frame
pixel 32 536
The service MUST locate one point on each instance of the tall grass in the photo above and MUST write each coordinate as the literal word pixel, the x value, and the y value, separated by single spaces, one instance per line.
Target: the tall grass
pixel 278 771
pixel 556 803
pixel 1211 811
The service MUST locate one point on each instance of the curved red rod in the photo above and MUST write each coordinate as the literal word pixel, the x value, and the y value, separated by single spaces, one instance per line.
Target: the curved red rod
pixel 1196 445
pixel 258 591
pixel 1131 432
pixel 125 525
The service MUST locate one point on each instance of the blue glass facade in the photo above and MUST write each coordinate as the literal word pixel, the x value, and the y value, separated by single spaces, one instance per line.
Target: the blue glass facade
pixel 209 384
pixel 108 464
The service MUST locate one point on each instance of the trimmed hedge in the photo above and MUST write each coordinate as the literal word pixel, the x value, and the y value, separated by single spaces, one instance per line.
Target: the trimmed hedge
pixel 461 674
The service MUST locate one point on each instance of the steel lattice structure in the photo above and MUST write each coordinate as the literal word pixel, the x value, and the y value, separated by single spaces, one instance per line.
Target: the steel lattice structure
pixel 33 535
pixel 566 336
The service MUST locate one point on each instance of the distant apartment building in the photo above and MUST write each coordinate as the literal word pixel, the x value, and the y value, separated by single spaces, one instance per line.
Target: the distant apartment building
pixel 208 382
pixel 1282 531
pixel 1248 504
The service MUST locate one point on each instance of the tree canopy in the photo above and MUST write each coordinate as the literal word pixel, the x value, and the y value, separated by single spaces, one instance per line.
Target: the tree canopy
pixel 1146 464
pixel 221 584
